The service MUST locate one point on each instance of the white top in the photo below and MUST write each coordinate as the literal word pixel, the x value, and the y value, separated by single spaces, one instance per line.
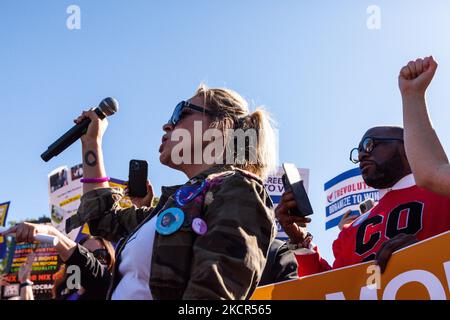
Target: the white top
pixel 405 182
pixel 134 268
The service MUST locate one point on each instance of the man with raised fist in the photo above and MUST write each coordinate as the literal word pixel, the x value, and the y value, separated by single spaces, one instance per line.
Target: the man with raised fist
pixel 406 212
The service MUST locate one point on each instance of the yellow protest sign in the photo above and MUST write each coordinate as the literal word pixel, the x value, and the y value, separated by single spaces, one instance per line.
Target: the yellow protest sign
pixel 3 213
pixel 420 271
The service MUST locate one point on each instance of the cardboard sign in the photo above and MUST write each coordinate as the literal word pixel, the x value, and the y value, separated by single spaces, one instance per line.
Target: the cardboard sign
pixel 345 192
pixel 420 271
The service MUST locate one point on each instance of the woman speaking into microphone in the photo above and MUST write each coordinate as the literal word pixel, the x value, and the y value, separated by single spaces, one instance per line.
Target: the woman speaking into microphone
pixel 207 238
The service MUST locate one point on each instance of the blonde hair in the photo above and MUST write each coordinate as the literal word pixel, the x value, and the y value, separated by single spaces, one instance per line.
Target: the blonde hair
pixel 233 113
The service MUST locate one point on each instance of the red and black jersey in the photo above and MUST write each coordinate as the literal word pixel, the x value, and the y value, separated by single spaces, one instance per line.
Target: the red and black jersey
pixel 411 210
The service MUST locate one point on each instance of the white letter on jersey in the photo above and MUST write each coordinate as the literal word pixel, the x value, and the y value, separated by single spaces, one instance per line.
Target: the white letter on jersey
pixel 74 20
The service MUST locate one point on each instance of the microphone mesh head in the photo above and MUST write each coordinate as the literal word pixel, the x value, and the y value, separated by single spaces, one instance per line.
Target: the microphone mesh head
pixel 109 106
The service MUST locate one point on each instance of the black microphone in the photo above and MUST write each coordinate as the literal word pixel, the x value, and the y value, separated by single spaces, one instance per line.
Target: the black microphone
pixel 107 107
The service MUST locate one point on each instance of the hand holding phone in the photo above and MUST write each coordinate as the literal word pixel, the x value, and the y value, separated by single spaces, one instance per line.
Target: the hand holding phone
pixel 366 205
pixel 292 181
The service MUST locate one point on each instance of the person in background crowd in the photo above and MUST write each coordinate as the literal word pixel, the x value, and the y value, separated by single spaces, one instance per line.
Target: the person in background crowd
pixel 427 157
pixel 94 277
pixel 3 282
pixel 23 276
pixel 220 222
pixel 404 215
pixel 104 252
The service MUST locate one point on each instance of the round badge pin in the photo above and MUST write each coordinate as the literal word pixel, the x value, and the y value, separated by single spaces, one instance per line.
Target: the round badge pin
pixel 169 221
pixel 199 226
pixel 187 193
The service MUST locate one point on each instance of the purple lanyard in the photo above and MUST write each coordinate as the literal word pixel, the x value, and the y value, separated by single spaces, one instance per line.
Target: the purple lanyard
pixel 73 296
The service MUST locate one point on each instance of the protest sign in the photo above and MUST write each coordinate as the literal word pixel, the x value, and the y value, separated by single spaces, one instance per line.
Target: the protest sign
pixel 420 271
pixel 345 192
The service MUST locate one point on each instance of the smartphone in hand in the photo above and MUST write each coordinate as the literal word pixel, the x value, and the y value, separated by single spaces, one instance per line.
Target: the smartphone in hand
pixel 366 205
pixel 137 178
pixel 292 181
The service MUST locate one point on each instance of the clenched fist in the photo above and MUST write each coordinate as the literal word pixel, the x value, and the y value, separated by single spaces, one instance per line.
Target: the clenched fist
pixel 415 77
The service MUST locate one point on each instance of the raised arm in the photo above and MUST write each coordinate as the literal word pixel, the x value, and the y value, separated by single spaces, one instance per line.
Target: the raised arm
pixel 99 205
pixel 425 153
pixel 26 232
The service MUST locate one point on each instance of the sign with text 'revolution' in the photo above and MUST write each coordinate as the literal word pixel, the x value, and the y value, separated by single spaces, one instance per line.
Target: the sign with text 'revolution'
pixel 345 192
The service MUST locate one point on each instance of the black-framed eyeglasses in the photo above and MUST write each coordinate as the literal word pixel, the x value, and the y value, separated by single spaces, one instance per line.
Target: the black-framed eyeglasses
pixel 367 145
pixel 102 255
pixel 178 111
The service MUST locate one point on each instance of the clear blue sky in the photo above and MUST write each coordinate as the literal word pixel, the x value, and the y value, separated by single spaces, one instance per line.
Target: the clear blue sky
pixel 314 64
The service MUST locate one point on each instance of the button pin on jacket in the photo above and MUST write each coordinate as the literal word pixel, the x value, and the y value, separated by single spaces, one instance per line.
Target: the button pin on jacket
pixel 199 226
pixel 187 193
pixel 169 221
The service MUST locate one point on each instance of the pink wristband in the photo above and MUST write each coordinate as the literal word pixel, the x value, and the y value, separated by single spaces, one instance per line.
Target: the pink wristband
pixel 94 180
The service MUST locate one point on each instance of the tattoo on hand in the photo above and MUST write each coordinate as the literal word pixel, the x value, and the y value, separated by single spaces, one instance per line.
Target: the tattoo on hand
pixel 90 158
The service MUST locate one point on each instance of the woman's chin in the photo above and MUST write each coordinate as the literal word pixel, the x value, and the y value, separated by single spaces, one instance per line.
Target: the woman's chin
pixel 164 158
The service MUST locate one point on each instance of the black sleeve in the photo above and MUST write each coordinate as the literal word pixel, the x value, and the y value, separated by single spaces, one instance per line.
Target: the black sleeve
pixel 94 277
pixel 286 267
pixel 281 264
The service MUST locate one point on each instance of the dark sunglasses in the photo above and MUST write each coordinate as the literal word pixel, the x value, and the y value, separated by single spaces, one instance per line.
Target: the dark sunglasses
pixel 102 255
pixel 367 145
pixel 178 111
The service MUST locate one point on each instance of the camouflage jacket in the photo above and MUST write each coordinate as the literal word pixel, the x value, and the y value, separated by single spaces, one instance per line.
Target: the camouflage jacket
pixel 225 263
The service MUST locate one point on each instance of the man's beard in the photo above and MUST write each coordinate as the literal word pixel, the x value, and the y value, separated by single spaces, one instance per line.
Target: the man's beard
pixel 386 174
